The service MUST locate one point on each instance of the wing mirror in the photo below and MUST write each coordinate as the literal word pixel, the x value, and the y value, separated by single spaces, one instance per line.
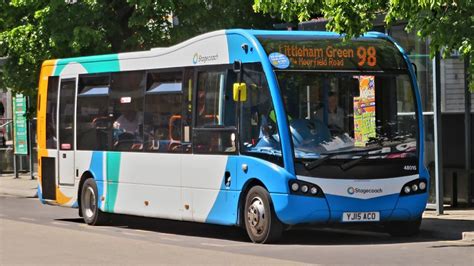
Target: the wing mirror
pixel 240 92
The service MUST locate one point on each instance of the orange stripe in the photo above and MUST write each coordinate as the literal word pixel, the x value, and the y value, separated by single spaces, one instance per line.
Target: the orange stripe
pixel 46 71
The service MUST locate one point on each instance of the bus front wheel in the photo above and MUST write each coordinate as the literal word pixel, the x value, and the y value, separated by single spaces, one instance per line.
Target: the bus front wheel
pixel 403 228
pixel 261 223
pixel 91 213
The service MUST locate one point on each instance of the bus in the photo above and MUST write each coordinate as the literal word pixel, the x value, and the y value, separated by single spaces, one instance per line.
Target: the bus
pixel 258 129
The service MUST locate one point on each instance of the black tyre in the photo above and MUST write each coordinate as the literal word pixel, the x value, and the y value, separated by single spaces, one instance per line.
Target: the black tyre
pixel 403 228
pixel 261 223
pixel 90 211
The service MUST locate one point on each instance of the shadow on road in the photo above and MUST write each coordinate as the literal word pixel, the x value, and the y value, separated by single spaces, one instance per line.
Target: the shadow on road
pixel 365 234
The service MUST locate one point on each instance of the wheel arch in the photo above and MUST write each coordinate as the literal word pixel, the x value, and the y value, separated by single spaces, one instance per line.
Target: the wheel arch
pixel 86 175
pixel 251 182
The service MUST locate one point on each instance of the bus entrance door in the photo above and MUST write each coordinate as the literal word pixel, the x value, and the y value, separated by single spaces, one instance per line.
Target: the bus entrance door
pixel 66 131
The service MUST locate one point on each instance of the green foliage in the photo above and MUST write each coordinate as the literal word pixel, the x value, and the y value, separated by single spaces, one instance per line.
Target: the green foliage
pixel 449 24
pixel 32 31
pixel 200 16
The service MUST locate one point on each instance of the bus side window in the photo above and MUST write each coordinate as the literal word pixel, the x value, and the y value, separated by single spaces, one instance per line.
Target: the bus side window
pixel 126 110
pixel 51 112
pixel 66 113
pixel 163 112
pixel 215 130
pixel 93 123
pixel 258 124
pixel 187 109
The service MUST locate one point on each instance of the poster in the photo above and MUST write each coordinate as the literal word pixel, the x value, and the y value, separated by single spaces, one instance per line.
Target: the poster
pixel 20 125
pixel 364 111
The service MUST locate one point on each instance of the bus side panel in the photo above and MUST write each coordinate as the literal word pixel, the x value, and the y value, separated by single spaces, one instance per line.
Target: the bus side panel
pixel 290 209
pixel 203 188
pixel 275 179
pixel 223 207
pixel 50 166
pixel 235 44
pixel 145 184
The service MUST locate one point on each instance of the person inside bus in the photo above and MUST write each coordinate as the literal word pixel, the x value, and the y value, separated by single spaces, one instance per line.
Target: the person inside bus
pixel 128 121
pixel 127 126
pixel 335 116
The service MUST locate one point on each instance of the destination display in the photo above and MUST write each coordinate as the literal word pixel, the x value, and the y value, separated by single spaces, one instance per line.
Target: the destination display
pixel 333 54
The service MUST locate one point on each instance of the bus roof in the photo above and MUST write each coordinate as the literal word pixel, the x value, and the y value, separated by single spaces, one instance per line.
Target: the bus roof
pixel 217 47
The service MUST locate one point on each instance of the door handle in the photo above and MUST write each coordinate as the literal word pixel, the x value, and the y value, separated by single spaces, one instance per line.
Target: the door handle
pixel 64 155
pixel 228 178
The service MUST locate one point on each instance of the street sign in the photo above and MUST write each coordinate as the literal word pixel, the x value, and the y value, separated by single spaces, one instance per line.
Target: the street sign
pixel 20 126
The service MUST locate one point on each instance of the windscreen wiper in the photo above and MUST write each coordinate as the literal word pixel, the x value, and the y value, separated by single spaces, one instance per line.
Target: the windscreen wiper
pixel 352 163
pixel 318 162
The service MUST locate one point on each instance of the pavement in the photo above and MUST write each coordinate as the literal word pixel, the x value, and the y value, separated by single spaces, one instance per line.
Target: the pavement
pixel 455 223
pixel 23 186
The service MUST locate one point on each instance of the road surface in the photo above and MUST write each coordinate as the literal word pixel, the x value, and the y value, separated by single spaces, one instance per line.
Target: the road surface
pixel 32 233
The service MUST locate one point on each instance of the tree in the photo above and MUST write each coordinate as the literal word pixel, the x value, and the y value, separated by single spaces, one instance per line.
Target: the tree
pixel 32 31
pixel 198 16
pixel 449 24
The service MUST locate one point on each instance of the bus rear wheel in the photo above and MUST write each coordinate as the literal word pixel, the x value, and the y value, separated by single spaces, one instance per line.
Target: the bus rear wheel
pixel 261 223
pixel 403 228
pixel 91 213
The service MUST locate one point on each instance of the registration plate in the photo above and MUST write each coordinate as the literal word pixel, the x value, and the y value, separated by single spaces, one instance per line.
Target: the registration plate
pixel 360 216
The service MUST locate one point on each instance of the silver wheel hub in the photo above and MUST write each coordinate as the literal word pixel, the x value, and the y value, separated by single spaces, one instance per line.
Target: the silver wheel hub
pixel 90 202
pixel 256 216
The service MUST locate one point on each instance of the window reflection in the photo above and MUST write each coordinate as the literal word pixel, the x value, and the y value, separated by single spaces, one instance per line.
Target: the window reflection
pixel 163 112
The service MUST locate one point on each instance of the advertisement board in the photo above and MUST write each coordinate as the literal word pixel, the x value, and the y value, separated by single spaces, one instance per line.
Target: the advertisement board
pixel 20 125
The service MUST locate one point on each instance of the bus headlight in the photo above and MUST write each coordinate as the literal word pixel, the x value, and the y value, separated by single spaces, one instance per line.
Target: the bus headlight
pixel 416 186
pixel 295 187
pixel 304 188
pixel 422 185
pixel 407 189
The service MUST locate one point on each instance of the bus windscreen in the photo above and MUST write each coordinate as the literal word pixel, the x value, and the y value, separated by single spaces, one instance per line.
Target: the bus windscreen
pixel 335 54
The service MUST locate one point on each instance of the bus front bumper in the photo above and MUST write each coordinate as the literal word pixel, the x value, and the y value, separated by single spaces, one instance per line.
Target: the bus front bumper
pixel 296 209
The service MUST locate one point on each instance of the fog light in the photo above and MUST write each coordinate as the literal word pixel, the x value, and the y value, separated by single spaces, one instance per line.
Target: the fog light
pixel 295 187
pixel 406 189
pixel 414 187
pixel 314 190
pixel 304 188
pixel 422 185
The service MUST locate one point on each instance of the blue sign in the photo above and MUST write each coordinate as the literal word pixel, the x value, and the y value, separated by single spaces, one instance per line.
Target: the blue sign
pixel 278 60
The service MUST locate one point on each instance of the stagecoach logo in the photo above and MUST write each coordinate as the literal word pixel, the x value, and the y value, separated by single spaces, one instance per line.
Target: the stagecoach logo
pixel 352 191
pixel 198 58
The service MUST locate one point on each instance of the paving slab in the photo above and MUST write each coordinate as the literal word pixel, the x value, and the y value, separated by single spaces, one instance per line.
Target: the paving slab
pixel 23 186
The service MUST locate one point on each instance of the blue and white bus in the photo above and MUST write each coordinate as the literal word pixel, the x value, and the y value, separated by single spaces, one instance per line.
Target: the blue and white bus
pixel 259 129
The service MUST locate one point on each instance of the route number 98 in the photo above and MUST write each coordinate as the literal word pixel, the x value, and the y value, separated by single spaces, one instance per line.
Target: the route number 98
pixel 367 56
